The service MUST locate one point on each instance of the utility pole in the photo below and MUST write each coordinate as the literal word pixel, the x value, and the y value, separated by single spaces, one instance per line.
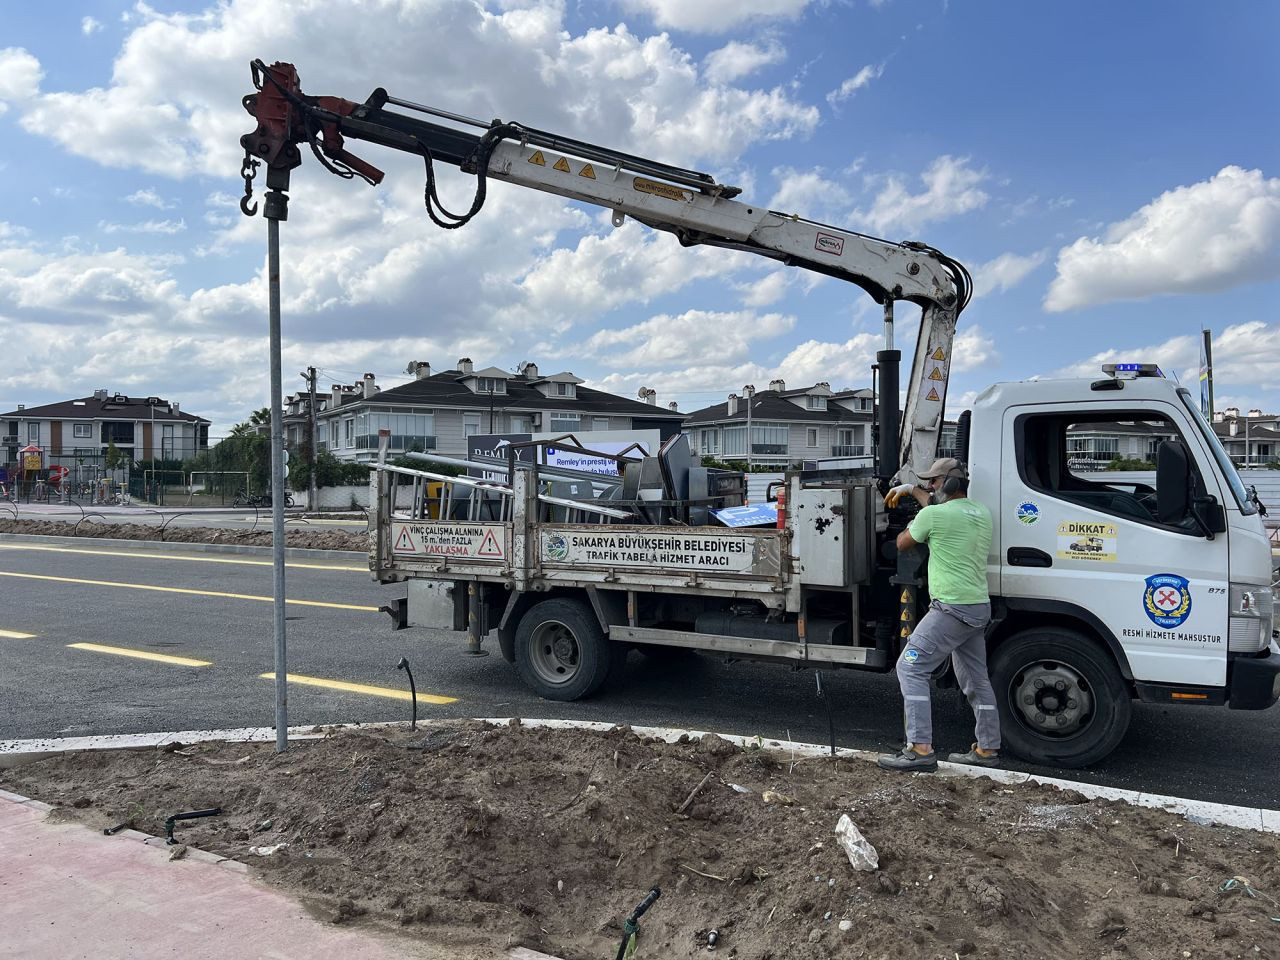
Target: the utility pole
pixel 313 500
pixel 748 392
pixel 491 411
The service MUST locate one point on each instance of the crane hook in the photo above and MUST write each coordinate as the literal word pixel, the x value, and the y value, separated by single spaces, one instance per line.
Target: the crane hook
pixel 248 170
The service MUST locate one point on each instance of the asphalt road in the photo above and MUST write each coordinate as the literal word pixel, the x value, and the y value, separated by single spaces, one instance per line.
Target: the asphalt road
pixel 216 609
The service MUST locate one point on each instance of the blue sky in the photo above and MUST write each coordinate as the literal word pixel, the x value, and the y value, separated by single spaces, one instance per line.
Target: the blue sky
pixel 1107 171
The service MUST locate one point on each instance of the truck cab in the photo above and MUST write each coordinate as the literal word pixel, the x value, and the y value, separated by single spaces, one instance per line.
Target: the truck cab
pixel 1113 585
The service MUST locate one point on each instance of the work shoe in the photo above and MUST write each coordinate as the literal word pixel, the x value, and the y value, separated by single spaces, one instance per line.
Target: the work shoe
pixel 974 759
pixel 909 760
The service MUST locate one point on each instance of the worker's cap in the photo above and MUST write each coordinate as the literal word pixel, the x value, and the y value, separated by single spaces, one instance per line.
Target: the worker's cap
pixel 944 467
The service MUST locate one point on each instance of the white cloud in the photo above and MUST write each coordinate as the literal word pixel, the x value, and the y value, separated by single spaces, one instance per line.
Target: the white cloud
pixel 631 264
pixel 736 60
pixel 715 16
pixel 1245 355
pixel 951 188
pixel 972 349
pixel 173 107
pixel 164 227
pixel 1005 272
pixel 148 197
pixel 667 339
pixel 855 83
pixel 89 26
pixel 809 193
pixel 1211 236
pixel 20 76
pixel 769 289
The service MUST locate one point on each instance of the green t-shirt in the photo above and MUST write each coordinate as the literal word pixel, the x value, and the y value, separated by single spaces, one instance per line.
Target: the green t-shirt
pixel 959 536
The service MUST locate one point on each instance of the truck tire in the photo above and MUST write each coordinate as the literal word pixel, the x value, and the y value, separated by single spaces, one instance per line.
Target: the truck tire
pixel 1061 697
pixel 561 651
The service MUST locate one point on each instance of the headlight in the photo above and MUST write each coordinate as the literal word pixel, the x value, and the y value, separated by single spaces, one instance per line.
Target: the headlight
pixel 1251 609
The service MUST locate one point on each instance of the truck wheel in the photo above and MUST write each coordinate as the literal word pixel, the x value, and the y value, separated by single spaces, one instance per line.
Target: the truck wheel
pixel 561 652
pixel 1062 700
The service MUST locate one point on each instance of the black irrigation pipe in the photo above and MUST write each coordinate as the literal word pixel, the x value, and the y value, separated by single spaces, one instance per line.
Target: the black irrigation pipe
pixel 826 700
pixel 631 926
pixel 190 815
pixel 413 691
pixel 76 531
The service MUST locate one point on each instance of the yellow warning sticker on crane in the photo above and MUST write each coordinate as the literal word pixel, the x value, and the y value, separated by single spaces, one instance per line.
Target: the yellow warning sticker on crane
pixel 906 615
pixel 538 158
pixel 933 394
pixel 562 165
pixel 906 596
pixel 936 375
pixel 588 171
pixel 939 355
pixel 906 632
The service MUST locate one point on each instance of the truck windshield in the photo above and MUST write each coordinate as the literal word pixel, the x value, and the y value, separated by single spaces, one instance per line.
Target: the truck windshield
pixel 1229 472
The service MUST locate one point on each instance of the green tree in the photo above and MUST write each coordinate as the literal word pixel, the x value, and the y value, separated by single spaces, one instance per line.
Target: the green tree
pixel 115 458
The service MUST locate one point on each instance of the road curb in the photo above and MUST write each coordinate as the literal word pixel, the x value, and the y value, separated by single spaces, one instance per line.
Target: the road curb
pixel 154 546
pixel 15 753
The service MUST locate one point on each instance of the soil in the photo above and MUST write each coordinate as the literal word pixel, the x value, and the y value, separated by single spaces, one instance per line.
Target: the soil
pixel 469 833
pixel 295 535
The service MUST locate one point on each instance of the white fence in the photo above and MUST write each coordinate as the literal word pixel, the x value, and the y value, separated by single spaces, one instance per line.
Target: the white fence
pixel 341 498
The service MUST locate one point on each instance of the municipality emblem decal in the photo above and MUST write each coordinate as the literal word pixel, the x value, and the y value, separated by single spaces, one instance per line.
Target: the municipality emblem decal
pixel 557 547
pixel 1167 600
pixel 1028 512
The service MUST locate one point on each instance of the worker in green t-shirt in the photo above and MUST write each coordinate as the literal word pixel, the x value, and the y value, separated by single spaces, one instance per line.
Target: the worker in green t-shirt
pixel 958 532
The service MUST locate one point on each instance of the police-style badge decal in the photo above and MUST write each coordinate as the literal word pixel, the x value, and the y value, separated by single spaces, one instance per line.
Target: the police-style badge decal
pixel 1028 512
pixel 911 655
pixel 1167 600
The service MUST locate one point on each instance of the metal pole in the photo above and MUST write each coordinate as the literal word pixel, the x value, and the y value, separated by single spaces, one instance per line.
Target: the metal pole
pixel 276 209
pixel 748 392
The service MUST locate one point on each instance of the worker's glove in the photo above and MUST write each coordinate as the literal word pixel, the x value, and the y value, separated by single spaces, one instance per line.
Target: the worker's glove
pixel 897 493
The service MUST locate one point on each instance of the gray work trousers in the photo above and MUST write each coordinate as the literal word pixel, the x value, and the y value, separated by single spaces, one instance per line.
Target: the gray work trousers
pixel 957 631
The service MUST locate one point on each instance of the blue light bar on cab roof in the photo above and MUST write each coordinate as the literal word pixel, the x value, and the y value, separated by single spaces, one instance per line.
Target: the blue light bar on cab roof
pixel 1130 370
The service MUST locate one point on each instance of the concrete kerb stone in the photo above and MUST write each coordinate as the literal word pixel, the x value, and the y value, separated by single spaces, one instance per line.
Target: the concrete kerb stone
pixel 159 546
pixel 17 752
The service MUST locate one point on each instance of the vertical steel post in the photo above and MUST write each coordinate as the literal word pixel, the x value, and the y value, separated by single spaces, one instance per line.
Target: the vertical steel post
pixel 275 210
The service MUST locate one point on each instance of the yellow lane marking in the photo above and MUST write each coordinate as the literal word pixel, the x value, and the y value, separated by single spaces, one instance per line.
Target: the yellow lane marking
pixel 140 654
pixel 359 688
pixel 147 555
pixel 187 590
pixel 15 635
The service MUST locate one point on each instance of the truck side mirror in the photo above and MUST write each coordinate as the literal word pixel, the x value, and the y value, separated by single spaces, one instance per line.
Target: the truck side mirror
pixel 1173 482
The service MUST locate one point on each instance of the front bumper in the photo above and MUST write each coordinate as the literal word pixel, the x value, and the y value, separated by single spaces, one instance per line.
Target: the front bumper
pixel 1254 682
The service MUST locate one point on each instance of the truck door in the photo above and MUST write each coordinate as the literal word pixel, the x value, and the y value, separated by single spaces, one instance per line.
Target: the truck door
pixel 1076 533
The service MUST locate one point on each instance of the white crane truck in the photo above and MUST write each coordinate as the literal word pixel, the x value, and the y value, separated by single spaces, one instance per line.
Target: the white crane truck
pixel 1170 603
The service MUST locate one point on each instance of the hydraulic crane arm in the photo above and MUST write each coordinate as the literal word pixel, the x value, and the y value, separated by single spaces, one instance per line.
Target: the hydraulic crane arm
pixel 687 203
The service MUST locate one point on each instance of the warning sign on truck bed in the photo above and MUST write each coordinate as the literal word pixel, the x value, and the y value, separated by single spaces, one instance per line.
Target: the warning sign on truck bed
pixel 459 541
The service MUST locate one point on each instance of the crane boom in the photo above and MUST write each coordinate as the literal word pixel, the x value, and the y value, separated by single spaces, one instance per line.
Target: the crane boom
pixel 689 204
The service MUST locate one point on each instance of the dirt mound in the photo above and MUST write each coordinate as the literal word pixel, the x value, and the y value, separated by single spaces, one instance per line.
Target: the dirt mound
pixel 548 838
pixel 295 535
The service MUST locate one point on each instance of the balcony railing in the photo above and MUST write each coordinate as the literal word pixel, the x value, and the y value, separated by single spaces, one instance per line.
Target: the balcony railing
pixel 398 442
pixel 849 450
